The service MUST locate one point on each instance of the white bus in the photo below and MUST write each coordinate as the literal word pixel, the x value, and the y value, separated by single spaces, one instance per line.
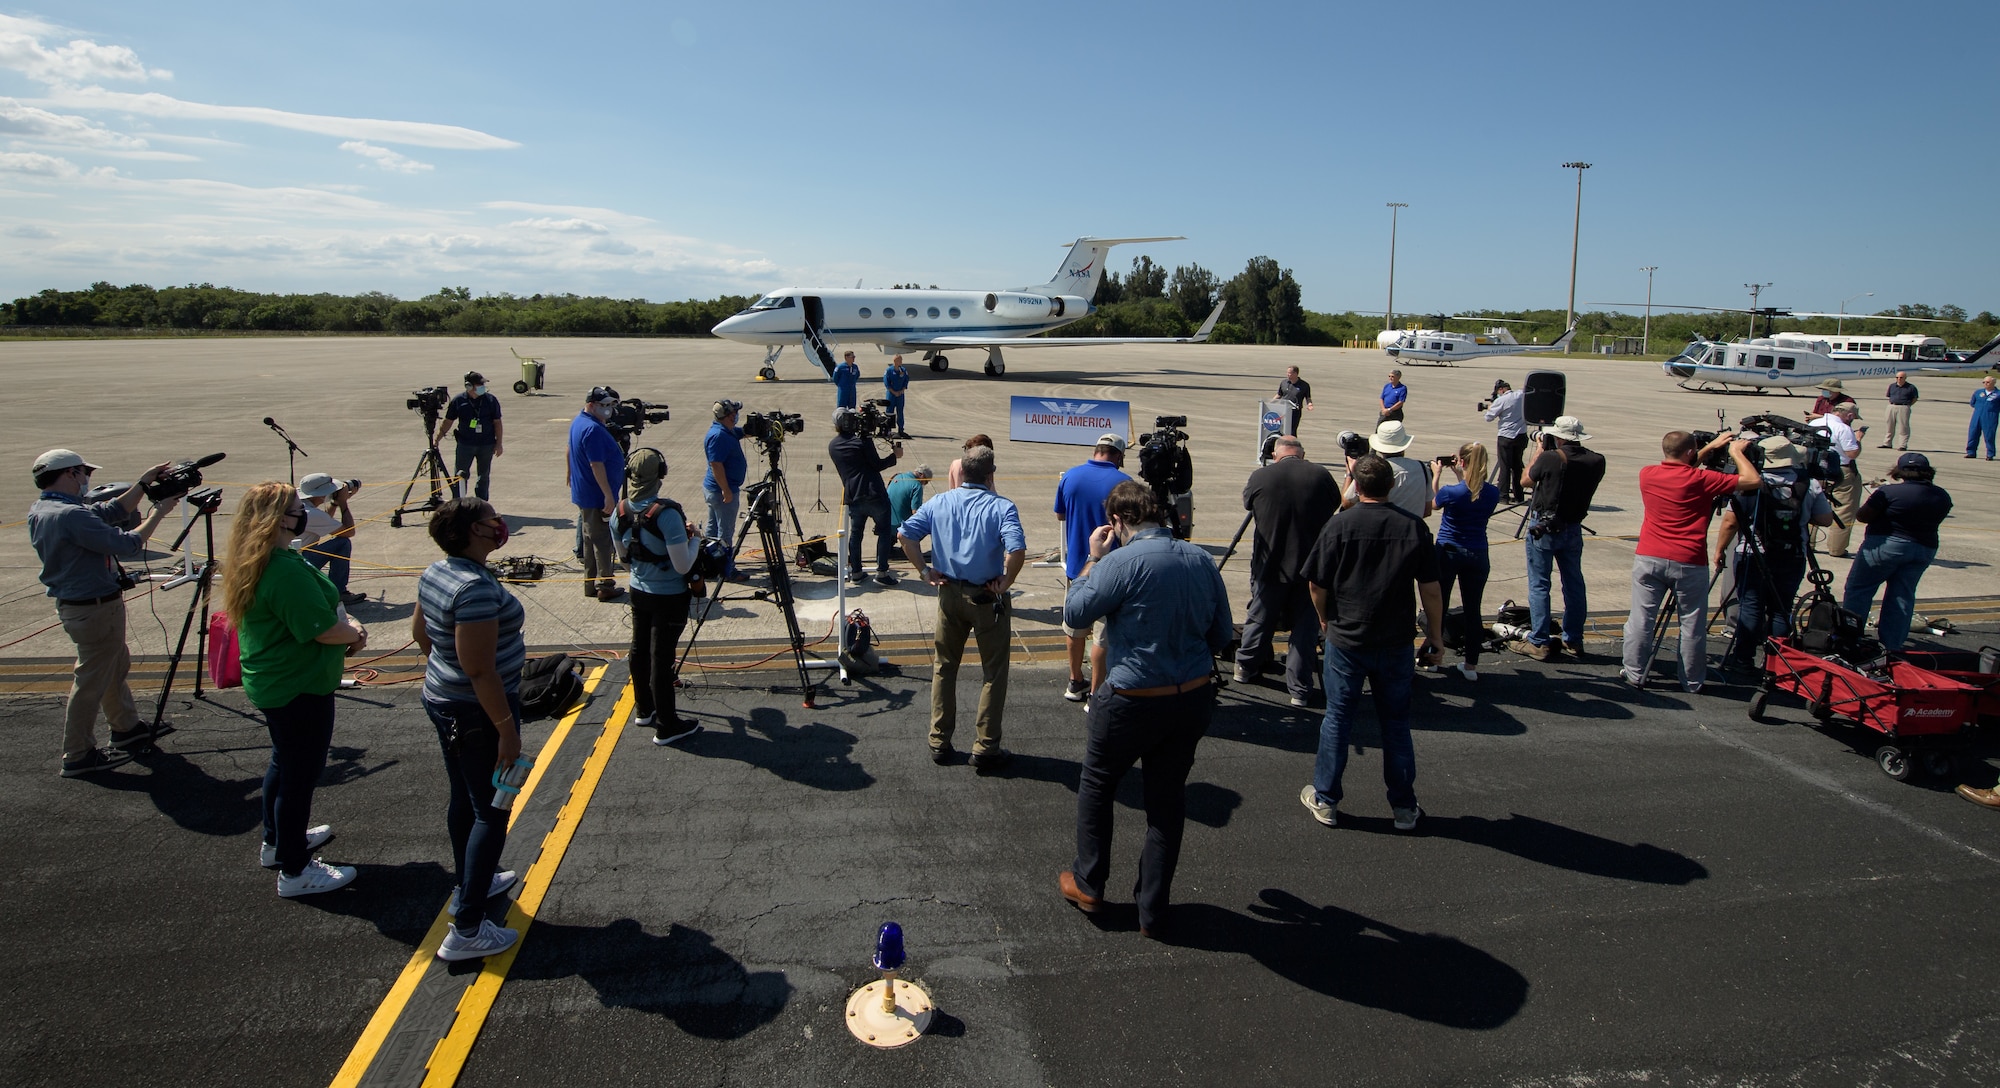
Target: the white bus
pixel 1906 347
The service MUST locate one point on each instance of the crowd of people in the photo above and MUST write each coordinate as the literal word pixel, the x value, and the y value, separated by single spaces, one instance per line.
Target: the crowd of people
pixel 1344 562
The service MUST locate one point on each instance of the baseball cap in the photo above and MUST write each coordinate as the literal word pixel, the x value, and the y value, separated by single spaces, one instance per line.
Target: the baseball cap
pixel 60 459
pixel 317 485
pixel 1111 440
pixel 1913 462
pixel 473 377
pixel 724 407
pixel 601 393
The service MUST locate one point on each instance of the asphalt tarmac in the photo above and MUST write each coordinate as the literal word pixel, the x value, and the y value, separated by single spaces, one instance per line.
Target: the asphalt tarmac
pixel 1608 888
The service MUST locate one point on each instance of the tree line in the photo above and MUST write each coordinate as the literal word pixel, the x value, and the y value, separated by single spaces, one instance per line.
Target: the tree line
pixel 1261 306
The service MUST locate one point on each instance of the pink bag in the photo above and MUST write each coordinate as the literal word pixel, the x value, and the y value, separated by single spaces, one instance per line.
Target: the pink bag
pixel 225 663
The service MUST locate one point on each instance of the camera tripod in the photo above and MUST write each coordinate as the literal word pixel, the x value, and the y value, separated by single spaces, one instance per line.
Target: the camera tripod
pixel 762 513
pixel 204 502
pixel 429 463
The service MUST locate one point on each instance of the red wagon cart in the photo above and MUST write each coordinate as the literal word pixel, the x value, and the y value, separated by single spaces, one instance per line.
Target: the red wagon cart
pixel 1916 710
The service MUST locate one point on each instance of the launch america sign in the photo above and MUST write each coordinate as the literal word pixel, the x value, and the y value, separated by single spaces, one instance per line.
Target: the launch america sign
pixel 1070 422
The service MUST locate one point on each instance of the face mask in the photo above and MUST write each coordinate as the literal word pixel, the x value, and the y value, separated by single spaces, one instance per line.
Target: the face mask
pixel 294 523
pixel 479 391
pixel 498 527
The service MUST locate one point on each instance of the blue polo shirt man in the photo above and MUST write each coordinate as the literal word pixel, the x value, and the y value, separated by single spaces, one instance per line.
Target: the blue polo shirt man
pixel 894 381
pixel 722 484
pixel 1394 396
pixel 596 468
pixel 846 381
pixel 977 549
pixel 1166 616
pixel 1080 507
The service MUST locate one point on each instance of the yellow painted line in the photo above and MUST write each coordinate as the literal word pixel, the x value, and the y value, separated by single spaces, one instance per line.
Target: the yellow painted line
pixel 448 1060
pixel 377 1031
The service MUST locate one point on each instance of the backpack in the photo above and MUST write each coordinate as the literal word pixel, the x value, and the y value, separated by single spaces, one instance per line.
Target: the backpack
pixel 1780 510
pixel 549 687
pixel 225 661
pixel 632 544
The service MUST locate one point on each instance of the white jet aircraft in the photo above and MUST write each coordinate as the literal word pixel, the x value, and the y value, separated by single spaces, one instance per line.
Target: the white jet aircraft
pixel 910 321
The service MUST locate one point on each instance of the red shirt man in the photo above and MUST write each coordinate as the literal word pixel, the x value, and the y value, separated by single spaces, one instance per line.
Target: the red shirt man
pixel 1672 557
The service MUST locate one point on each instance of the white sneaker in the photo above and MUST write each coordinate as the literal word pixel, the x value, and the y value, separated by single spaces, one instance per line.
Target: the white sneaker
pixel 502 880
pixel 646 722
pixel 1300 702
pixel 1406 818
pixel 1321 811
pixel 488 940
pixel 1467 671
pixel 1243 675
pixel 267 854
pixel 315 878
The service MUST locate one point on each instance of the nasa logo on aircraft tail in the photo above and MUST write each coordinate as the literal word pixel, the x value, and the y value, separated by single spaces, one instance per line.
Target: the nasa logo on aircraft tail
pixel 1084 272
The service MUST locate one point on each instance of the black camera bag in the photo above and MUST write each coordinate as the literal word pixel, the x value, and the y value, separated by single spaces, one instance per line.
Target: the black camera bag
pixel 550 686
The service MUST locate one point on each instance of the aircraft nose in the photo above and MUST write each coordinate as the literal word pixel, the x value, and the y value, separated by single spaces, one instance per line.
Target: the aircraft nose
pixel 732 324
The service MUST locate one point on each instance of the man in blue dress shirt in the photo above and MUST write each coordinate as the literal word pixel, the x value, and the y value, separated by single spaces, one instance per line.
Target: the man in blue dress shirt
pixel 1166 617
pixel 1079 506
pixel 977 549
pixel 846 378
pixel 594 461
pixel 894 381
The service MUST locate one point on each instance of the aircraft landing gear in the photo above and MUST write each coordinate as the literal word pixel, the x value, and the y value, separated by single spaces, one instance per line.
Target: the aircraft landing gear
pixel 940 364
pixel 996 364
pixel 769 371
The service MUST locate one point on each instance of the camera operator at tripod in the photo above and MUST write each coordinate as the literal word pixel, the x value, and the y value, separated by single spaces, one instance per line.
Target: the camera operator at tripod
pixel 79 546
pixel 860 467
pixel 477 413
pixel 1775 546
pixel 593 460
pixel 1164 466
pixel 1412 490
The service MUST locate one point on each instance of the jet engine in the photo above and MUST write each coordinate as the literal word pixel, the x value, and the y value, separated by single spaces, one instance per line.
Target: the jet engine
pixel 1018 307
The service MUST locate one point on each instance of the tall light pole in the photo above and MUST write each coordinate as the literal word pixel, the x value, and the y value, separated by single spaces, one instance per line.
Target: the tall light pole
pixel 1389 318
pixel 1576 232
pixel 1647 335
pixel 1755 290
pixel 1837 322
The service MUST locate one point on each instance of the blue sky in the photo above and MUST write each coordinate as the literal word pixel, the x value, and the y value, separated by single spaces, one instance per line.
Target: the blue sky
pixel 673 150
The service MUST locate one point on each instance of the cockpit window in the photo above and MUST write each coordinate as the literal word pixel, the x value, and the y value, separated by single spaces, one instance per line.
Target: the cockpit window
pixel 774 302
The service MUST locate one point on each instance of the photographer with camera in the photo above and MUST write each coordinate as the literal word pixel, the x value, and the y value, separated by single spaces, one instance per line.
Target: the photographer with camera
pixel 722 485
pixel 1672 554
pixel 594 460
pixel 1563 480
pixel 477 413
pixel 1080 495
pixel 1411 489
pixel 659 541
pixel 1775 523
pixel 294 641
pixel 79 545
pixel 1838 423
pixel 1291 499
pixel 860 467
pixel 1902 539
pixel 976 553
pixel 895 383
pixel 1505 410
pixel 327 543
pixel 1466 506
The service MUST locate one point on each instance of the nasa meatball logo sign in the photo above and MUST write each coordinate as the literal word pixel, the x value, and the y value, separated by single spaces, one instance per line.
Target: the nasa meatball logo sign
pixel 1069 422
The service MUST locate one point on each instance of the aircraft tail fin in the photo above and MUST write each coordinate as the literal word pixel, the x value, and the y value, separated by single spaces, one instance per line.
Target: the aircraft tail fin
pixel 1562 342
pixel 1083 269
pixel 1208 326
pixel 1981 354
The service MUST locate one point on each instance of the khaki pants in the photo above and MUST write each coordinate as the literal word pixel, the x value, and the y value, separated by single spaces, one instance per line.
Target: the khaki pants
pixel 1846 499
pixel 1899 426
pixel 102 662
pixel 958 616
pixel 598 566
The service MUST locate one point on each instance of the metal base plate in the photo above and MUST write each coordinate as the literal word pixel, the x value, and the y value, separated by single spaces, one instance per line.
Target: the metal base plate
pixel 888 1030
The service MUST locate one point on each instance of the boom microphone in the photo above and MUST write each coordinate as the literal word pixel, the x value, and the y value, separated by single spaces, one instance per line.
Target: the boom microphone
pixel 204 462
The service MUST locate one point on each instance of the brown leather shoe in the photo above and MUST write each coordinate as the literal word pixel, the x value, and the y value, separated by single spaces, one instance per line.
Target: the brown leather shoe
pixel 1528 649
pixel 611 591
pixel 1988 798
pixel 1066 884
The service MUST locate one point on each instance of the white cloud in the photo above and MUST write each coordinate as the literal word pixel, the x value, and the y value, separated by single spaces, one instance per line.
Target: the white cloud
pixel 21 120
pixel 385 158
pixel 36 164
pixel 29 230
pixel 21 49
pixel 583 226
pixel 604 215
pixel 154 104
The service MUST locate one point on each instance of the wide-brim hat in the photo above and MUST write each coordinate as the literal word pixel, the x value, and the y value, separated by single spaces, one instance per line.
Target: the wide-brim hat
pixel 60 459
pixel 1831 384
pixel 1391 437
pixel 1568 429
pixel 1778 451
pixel 317 485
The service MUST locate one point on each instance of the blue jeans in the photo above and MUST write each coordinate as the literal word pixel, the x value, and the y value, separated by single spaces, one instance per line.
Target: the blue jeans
pixel 858 515
pixel 1563 550
pixel 331 554
pixel 1900 563
pixel 466 455
pixel 1389 672
pixel 1981 426
pixel 301 732
pixel 896 409
pixel 722 520
pixel 1163 732
pixel 1767 588
pixel 478 830
pixel 1469 568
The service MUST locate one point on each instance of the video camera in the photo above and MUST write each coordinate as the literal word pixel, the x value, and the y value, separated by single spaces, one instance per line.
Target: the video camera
pixel 180 479
pixel 770 428
pixel 876 419
pixel 1165 466
pixel 1817 459
pixel 431 402
pixel 1353 444
pixel 630 416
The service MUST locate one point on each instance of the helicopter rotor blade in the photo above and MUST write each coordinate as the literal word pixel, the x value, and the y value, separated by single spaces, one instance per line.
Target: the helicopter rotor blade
pixel 1876 317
